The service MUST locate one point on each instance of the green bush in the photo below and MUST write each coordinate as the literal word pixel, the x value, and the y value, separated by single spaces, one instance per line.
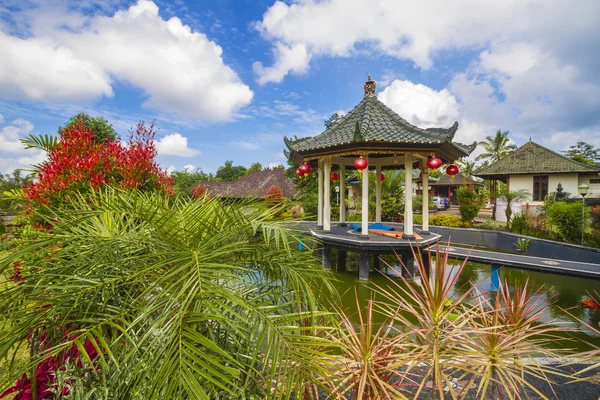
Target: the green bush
pixel 390 209
pixel 520 225
pixel 486 224
pixel 418 219
pixel 566 217
pixel 592 238
pixel 451 221
pixel 469 203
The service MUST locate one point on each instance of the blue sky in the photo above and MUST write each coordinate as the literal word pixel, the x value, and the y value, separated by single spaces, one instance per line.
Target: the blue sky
pixel 227 79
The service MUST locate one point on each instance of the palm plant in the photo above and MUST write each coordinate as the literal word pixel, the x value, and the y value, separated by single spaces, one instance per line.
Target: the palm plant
pixel 511 197
pixel 496 147
pixel 169 299
pixel 467 167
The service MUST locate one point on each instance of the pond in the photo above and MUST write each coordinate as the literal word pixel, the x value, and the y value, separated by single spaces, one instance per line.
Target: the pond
pixel 557 293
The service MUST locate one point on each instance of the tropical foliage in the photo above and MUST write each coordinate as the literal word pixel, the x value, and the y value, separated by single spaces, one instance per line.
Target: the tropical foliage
pixel 469 203
pixel 496 147
pixel 511 198
pixel 140 296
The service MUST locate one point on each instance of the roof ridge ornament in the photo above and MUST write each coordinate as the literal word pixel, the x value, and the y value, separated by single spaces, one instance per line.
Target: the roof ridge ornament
pixel 370 87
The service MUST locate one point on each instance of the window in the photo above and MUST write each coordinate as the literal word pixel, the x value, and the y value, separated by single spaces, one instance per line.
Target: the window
pixel 540 188
pixel 594 181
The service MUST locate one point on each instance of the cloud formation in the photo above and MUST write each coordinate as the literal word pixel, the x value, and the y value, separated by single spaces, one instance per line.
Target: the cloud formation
pixel 12 152
pixel 175 145
pixel 179 70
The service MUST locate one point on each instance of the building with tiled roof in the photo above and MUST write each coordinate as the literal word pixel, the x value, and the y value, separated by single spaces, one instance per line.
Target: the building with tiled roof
pixel 539 170
pixel 254 185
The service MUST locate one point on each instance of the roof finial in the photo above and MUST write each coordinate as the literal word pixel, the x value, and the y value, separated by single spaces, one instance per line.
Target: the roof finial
pixel 530 138
pixel 370 86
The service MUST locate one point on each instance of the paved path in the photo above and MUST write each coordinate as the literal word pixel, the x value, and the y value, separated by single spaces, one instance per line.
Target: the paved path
pixel 564 267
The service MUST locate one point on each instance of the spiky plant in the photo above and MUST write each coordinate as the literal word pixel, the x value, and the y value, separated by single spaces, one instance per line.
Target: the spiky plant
pixel 167 299
pixel 435 320
pixel 509 333
pixel 370 358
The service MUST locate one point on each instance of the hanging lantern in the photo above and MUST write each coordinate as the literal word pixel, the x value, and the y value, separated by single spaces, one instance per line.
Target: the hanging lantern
pixel 452 170
pixel 382 178
pixel 305 168
pixel 299 173
pixel 334 176
pixel 360 164
pixel 434 162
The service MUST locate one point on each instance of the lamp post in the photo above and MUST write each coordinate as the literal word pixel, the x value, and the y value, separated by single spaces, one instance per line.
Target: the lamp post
pixel 583 191
pixel 337 191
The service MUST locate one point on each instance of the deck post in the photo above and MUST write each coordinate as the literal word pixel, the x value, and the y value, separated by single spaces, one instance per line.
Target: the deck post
pixel 425 184
pixel 342 195
pixel 378 193
pixel 408 203
pixel 365 201
pixel 326 257
pixel 363 266
pixel 327 195
pixel 408 259
pixel 376 263
pixel 495 278
pixel 341 261
pixel 320 195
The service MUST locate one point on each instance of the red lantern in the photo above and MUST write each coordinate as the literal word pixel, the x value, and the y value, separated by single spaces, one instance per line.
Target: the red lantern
pixel 382 178
pixel 452 170
pixel 434 162
pixel 334 176
pixel 299 173
pixel 305 169
pixel 360 164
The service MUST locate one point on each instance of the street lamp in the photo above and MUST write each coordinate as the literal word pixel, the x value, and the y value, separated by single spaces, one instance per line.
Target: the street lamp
pixel 337 191
pixel 583 191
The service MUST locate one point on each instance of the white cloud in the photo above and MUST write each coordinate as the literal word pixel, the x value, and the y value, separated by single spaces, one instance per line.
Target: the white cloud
pixel 175 145
pixel 179 70
pixel 419 104
pixel 12 152
pixel 1 119
pixel 292 59
pixel 189 168
pixel 170 169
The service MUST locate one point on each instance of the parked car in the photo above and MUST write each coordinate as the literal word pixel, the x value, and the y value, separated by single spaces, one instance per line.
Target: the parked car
pixel 446 203
pixel 439 202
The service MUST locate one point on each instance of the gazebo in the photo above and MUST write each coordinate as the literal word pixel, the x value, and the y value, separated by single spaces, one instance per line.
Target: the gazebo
pixel 373 137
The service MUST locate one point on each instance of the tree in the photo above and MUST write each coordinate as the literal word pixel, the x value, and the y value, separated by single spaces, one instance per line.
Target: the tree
pixel 466 167
pixel 184 181
pixel 584 153
pixel 469 203
pixel 511 197
pixel 9 183
pixel 254 167
pixel 229 172
pixel 274 196
pixel 496 147
pixel 102 129
pixel 329 122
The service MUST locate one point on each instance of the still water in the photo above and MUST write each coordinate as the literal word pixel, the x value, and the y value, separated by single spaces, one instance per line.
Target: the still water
pixel 557 293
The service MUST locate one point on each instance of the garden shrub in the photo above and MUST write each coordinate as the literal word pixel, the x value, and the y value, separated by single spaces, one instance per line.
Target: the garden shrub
pixel 566 217
pixel 390 209
pixel 486 224
pixel 451 221
pixel 595 214
pixel 469 203
pixel 592 239
pixel 274 196
pixel 418 219
pixel 520 224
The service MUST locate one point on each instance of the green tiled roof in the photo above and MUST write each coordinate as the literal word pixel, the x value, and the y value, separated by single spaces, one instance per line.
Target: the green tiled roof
pixel 458 180
pixel 372 121
pixel 532 158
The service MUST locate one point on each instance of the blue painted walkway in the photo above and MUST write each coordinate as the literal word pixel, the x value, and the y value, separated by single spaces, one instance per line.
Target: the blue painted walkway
pixel 564 267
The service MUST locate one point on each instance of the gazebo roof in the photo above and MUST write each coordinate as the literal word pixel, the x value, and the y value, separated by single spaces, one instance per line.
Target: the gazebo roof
pixel 372 124
pixel 532 158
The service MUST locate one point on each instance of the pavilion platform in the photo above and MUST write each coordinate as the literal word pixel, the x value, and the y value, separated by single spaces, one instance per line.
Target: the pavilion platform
pixel 344 239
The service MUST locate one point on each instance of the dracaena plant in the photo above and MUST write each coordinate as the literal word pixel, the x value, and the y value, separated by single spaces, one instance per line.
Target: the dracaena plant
pixel 163 298
pixel 509 333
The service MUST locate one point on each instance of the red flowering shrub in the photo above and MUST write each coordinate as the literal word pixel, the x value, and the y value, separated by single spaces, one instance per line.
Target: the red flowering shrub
pixel 199 191
pixel 79 162
pixel 274 196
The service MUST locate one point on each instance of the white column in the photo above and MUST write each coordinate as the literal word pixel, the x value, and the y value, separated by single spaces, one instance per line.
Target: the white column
pixel 365 200
pixel 378 193
pixel 327 195
pixel 408 204
pixel 425 184
pixel 320 194
pixel 342 194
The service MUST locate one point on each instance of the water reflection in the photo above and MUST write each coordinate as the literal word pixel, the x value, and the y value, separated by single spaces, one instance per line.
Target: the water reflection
pixel 558 293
